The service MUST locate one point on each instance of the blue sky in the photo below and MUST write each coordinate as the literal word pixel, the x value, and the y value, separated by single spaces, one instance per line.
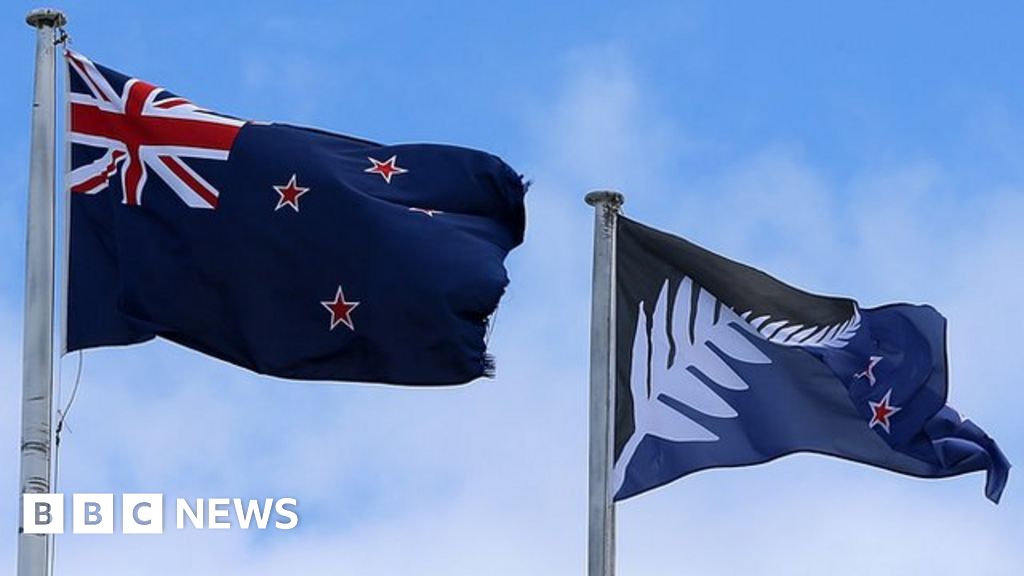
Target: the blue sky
pixel 872 149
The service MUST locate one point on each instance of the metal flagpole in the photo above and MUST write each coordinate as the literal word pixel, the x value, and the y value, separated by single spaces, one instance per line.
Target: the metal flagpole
pixel 601 537
pixel 37 359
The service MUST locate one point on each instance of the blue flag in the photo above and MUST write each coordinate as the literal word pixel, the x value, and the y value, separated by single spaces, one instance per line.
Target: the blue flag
pixel 290 251
pixel 721 365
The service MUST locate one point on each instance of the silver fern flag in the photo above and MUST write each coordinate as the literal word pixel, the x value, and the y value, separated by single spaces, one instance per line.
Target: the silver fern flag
pixel 721 365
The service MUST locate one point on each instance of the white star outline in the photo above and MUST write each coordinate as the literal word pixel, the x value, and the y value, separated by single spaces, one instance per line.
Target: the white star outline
pixel 884 422
pixel 392 168
pixel 286 202
pixel 428 211
pixel 869 372
pixel 347 318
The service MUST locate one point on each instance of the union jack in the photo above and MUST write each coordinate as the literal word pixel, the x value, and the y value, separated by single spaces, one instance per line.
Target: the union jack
pixel 143 127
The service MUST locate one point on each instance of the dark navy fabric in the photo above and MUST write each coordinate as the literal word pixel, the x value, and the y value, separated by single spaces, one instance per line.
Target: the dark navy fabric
pixel 423 255
pixel 809 399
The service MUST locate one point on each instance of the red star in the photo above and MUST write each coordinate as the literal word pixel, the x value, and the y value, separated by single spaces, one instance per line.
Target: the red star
pixel 290 193
pixel 387 168
pixel 881 412
pixel 341 310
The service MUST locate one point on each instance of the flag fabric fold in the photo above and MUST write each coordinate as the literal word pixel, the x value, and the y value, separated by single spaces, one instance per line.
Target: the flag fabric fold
pixel 290 251
pixel 721 365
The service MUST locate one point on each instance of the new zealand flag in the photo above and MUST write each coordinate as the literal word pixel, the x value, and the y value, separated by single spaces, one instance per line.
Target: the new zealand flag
pixel 289 251
pixel 721 365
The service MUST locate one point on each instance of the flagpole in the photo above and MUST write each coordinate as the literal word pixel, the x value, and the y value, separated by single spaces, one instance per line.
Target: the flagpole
pixel 601 509
pixel 37 353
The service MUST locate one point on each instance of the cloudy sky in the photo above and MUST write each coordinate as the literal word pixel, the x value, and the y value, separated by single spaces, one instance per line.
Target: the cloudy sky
pixel 871 149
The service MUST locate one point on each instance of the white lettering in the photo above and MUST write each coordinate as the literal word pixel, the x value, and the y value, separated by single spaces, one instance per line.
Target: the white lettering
pixel 194 516
pixel 293 517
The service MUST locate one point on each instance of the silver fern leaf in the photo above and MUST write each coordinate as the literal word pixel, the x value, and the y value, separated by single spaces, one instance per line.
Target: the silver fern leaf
pixel 683 363
pixel 785 332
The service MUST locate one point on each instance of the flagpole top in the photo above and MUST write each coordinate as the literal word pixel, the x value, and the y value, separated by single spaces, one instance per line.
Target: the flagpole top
pixel 50 17
pixel 609 198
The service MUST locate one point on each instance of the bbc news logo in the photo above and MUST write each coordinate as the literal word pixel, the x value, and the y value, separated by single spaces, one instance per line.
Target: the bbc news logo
pixel 144 513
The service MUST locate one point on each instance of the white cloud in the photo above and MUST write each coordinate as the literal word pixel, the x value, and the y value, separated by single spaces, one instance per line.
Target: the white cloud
pixel 900 232
pixel 601 130
pixel 827 516
pixel 491 478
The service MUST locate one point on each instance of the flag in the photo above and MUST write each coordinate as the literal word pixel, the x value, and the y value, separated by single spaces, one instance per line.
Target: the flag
pixel 721 365
pixel 290 251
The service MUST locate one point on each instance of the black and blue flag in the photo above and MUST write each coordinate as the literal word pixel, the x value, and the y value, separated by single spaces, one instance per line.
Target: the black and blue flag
pixel 721 365
pixel 290 251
